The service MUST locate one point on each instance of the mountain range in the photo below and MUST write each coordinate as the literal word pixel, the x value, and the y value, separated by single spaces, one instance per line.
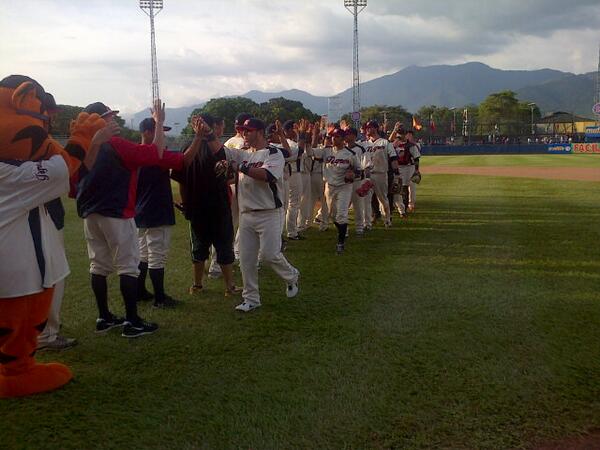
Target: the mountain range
pixel 440 85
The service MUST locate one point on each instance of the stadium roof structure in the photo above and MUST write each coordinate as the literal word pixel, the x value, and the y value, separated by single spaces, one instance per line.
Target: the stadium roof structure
pixel 563 117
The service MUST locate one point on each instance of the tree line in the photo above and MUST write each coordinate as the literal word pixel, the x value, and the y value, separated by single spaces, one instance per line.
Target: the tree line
pixel 499 114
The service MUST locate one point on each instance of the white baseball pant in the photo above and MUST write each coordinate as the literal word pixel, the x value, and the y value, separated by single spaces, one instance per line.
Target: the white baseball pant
pixel 338 201
pixel 112 245
pixel 154 245
pixel 260 233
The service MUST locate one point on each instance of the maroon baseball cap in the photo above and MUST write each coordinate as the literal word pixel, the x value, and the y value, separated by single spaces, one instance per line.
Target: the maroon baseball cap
pixel 338 132
pixel 253 124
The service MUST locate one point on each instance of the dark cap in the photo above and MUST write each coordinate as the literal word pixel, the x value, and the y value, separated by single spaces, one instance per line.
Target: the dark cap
pixel 208 119
pixel 372 124
pixel 149 124
pixel 338 132
pixel 99 108
pixel 253 124
pixel 241 118
pixel 288 124
pixel 49 103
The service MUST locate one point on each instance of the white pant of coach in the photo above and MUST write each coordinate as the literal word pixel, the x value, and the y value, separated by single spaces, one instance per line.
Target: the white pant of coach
pixel 112 245
pixel 154 245
pixel 260 232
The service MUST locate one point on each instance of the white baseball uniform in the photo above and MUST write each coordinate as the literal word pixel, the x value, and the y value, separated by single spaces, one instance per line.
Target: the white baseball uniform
pixel 358 203
pixel 295 190
pixel 380 152
pixel 305 217
pixel 261 222
pixel 406 168
pixel 338 192
pixel 317 187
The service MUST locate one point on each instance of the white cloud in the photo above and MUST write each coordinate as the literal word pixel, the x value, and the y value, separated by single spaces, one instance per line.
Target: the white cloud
pixel 83 52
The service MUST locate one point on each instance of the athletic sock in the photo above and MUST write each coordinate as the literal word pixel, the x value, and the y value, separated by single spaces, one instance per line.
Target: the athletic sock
pixel 158 284
pixel 142 277
pixel 129 292
pixel 100 289
pixel 341 228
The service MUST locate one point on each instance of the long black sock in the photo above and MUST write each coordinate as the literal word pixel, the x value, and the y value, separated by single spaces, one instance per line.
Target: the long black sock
pixel 143 266
pixel 100 289
pixel 342 228
pixel 129 292
pixel 158 283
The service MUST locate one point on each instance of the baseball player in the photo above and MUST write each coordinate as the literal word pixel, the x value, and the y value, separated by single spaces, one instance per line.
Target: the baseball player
pixel 317 184
pixel 340 167
pixel 380 153
pixel 358 203
pixel 408 153
pixel 305 215
pixel 294 181
pixel 412 186
pixel 260 185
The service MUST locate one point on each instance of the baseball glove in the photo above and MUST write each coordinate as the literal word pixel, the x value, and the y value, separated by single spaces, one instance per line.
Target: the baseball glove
pixel 396 187
pixel 364 188
pixel 224 170
pixel 416 178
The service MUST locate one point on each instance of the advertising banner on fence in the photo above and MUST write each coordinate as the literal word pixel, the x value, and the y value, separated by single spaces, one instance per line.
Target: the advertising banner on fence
pixel 587 148
pixel 559 148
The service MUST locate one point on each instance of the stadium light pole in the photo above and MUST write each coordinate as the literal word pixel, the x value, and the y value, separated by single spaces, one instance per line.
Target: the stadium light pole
pixel 151 8
pixel 531 105
pixel 355 7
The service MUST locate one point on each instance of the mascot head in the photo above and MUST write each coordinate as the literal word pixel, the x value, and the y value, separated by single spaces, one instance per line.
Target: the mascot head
pixel 25 109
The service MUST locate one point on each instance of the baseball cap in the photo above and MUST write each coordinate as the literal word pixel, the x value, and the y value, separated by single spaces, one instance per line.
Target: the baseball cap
pixel 99 108
pixel 49 103
pixel 149 124
pixel 288 124
pixel 253 124
pixel 372 124
pixel 241 118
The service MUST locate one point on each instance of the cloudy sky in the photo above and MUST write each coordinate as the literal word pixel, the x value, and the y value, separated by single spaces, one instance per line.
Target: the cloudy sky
pixel 83 51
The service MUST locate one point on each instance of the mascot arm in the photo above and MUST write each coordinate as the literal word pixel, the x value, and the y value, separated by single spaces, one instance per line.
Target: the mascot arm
pixel 34 183
pixel 83 129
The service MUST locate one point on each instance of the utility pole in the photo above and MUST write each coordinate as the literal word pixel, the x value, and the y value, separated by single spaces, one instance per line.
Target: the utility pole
pixel 151 8
pixel 355 7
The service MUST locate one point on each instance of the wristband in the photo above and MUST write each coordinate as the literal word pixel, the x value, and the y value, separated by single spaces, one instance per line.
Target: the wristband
pixel 244 169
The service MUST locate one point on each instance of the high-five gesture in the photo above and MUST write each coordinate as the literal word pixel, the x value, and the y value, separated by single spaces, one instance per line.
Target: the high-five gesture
pixel 158 112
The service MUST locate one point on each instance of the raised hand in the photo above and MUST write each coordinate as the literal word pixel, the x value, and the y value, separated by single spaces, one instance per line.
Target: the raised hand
pixel 158 112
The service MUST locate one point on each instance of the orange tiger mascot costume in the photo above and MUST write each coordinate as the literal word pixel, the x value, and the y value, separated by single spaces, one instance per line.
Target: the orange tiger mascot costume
pixel 34 169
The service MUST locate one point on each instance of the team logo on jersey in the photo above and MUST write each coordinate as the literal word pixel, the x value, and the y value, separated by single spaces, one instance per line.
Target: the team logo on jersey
pixel 254 164
pixel 41 173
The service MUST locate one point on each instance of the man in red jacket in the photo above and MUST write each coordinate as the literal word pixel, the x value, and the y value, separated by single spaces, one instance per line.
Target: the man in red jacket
pixel 106 198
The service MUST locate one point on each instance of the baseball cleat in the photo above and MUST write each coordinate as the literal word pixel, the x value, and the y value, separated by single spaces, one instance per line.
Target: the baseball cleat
pixel 339 248
pixel 247 306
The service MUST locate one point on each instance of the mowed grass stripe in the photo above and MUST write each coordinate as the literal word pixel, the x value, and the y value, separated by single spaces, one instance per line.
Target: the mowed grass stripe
pixel 571 160
pixel 471 325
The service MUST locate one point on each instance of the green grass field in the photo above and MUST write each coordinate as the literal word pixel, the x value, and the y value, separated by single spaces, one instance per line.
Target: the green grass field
pixel 573 160
pixel 472 325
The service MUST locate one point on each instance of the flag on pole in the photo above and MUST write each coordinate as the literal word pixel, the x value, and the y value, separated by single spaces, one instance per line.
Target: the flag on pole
pixel 416 125
pixel 431 123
